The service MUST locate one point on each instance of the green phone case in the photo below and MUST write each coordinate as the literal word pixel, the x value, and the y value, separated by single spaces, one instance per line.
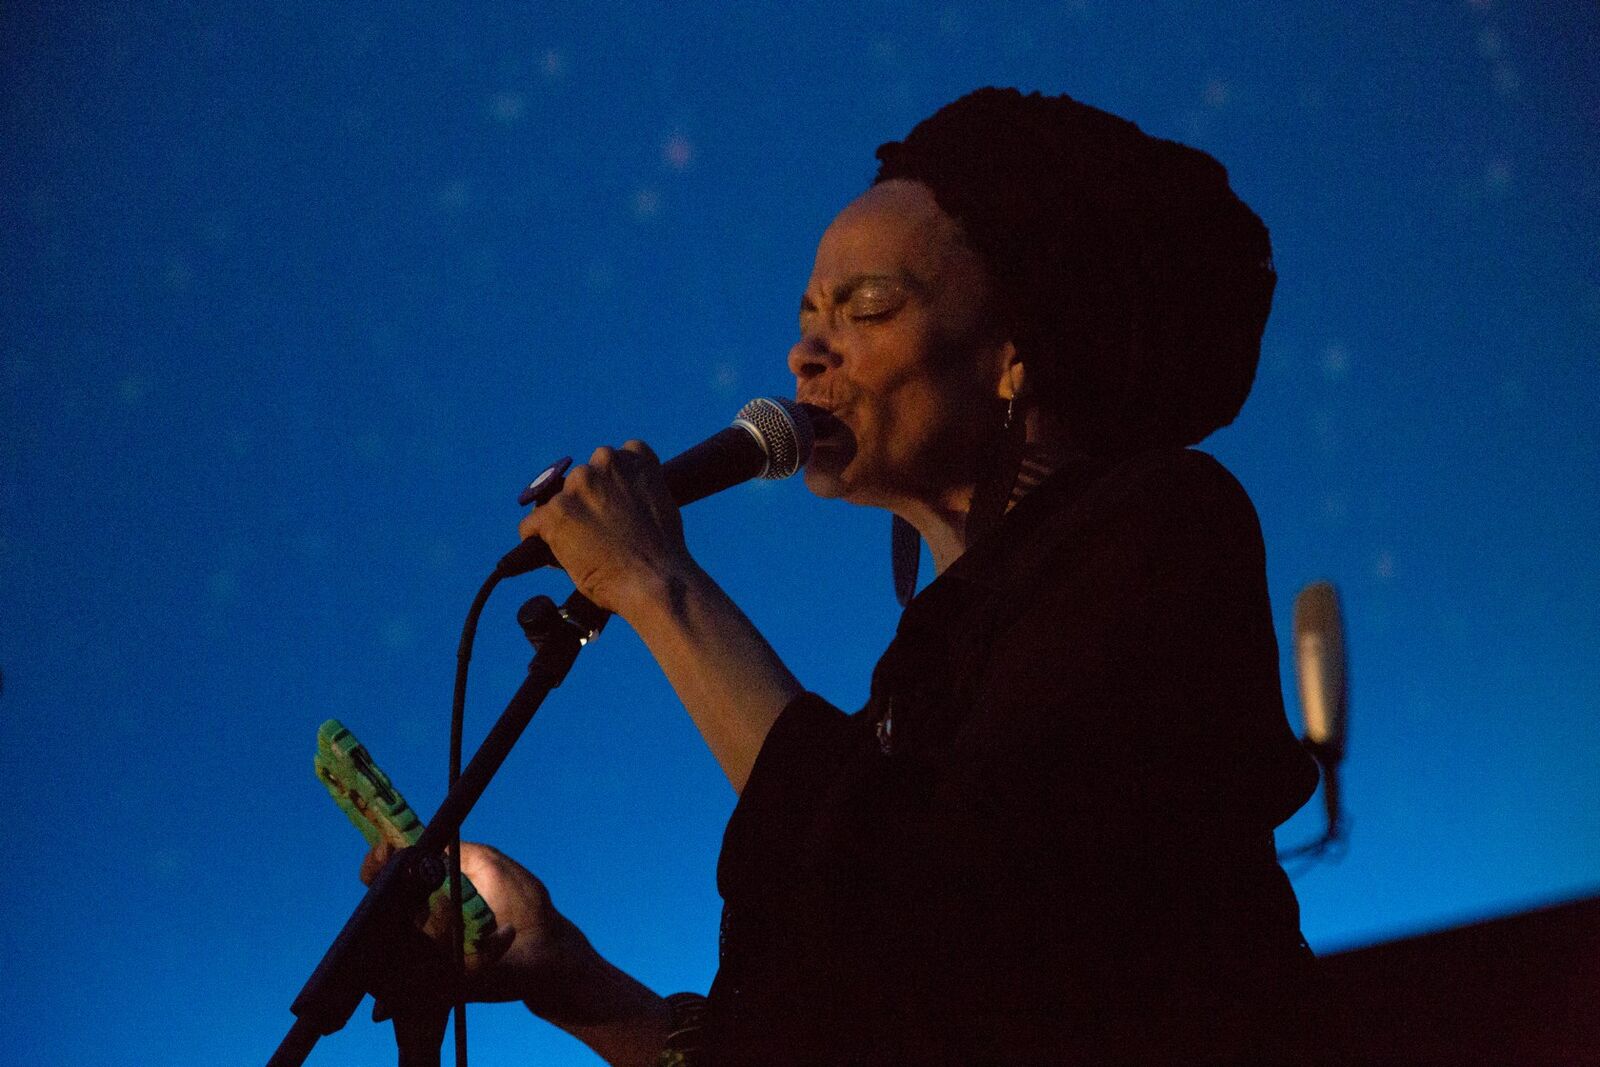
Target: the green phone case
pixel 370 799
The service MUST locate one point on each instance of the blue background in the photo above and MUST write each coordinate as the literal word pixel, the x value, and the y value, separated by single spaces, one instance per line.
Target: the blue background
pixel 295 297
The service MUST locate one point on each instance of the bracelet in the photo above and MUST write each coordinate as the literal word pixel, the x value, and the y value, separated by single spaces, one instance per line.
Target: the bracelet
pixel 685 1021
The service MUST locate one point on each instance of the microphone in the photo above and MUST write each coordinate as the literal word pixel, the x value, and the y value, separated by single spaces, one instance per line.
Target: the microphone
pixel 1319 661
pixel 770 437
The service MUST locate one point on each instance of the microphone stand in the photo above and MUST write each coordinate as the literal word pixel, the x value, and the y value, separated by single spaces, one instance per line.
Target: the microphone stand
pixel 380 950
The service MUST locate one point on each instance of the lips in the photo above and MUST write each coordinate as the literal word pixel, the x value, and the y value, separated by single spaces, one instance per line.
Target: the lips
pixel 830 434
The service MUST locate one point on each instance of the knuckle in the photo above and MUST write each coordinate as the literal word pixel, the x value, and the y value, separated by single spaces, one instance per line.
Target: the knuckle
pixel 602 456
pixel 640 449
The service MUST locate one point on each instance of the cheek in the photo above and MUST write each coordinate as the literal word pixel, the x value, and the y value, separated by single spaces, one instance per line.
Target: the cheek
pixel 900 429
pixel 912 397
pixel 893 383
pixel 938 422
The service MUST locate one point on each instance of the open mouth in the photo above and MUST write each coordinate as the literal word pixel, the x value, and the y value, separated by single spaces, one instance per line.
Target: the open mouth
pixel 825 428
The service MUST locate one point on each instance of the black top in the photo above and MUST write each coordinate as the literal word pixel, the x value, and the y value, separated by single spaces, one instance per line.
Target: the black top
pixel 1048 835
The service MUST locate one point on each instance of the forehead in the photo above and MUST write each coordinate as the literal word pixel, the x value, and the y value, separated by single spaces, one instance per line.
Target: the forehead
pixel 894 227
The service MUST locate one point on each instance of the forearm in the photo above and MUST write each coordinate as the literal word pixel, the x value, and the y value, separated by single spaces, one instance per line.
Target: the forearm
pixel 626 1024
pixel 730 680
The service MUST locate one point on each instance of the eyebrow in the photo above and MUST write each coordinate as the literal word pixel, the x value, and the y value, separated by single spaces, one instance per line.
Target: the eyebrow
pixel 848 286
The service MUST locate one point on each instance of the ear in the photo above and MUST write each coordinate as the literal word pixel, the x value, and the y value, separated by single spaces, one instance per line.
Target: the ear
pixel 1013 375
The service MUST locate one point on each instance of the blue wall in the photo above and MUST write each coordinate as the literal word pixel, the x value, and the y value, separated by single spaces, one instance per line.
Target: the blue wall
pixel 294 297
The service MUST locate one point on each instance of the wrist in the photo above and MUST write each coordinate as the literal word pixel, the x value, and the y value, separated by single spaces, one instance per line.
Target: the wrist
pixel 622 1021
pixel 661 595
pixel 685 1030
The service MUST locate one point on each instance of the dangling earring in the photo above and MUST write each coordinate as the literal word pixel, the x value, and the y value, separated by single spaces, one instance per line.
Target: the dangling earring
pixel 905 556
pixel 997 473
pixel 998 468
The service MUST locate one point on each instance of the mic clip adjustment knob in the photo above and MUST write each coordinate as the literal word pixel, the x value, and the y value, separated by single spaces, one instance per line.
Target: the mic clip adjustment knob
pixel 547 484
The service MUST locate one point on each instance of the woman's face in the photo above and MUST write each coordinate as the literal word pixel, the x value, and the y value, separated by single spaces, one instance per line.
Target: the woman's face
pixel 893 344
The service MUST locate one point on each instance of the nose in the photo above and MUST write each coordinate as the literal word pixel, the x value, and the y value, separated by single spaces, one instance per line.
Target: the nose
pixel 810 356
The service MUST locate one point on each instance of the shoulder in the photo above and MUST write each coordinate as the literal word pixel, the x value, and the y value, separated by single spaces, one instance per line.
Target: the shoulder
pixel 1149 538
pixel 1153 507
pixel 1177 482
pixel 1137 582
pixel 1181 506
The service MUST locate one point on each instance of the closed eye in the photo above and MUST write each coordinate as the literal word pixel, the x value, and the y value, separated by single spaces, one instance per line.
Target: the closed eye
pixel 863 298
pixel 870 305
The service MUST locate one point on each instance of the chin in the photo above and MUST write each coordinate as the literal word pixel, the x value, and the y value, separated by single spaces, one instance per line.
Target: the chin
pixel 834 472
pixel 823 482
pixel 839 476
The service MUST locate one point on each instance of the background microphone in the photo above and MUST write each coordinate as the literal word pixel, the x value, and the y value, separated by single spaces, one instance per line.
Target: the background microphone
pixel 770 438
pixel 1319 661
pixel 1320 665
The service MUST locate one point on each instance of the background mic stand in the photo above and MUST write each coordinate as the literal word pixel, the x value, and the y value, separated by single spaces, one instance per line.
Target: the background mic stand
pixel 380 950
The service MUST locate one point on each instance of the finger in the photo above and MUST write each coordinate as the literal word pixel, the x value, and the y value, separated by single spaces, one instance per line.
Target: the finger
pixel 576 482
pixel 578 477
pixel 602 456
pixel 491 948
pixel 374 860
pixel 525 528
pixel 640 449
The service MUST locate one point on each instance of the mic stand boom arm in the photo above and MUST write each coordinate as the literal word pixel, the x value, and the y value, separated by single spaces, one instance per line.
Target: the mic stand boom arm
pixel 376 951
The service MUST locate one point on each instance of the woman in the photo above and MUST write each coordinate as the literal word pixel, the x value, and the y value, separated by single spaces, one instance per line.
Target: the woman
pixel 1048 836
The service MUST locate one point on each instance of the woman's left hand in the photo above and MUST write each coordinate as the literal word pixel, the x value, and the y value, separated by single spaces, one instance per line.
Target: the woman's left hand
pixel 614 528
pixel 537 955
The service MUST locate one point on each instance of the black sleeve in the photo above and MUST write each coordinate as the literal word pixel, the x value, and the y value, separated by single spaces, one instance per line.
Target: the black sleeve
pixel 786 793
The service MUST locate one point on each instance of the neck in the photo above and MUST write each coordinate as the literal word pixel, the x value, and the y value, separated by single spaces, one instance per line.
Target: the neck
pixel 941 519
pixel 942 523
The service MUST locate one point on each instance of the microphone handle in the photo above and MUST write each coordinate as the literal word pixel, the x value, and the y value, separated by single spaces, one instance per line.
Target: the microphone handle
pixel 723 460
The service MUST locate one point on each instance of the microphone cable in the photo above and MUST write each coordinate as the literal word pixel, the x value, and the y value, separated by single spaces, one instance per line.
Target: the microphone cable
pixel 458 706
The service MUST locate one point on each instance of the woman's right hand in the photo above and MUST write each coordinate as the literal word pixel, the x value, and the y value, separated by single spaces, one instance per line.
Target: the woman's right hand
pixel 615 529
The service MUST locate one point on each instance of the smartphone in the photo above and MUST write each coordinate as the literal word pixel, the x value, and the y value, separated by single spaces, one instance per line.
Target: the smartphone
pixel 361 789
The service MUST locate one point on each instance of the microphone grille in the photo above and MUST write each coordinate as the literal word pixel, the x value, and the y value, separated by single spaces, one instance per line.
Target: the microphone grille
pixel 784 431
pixel 1316 609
